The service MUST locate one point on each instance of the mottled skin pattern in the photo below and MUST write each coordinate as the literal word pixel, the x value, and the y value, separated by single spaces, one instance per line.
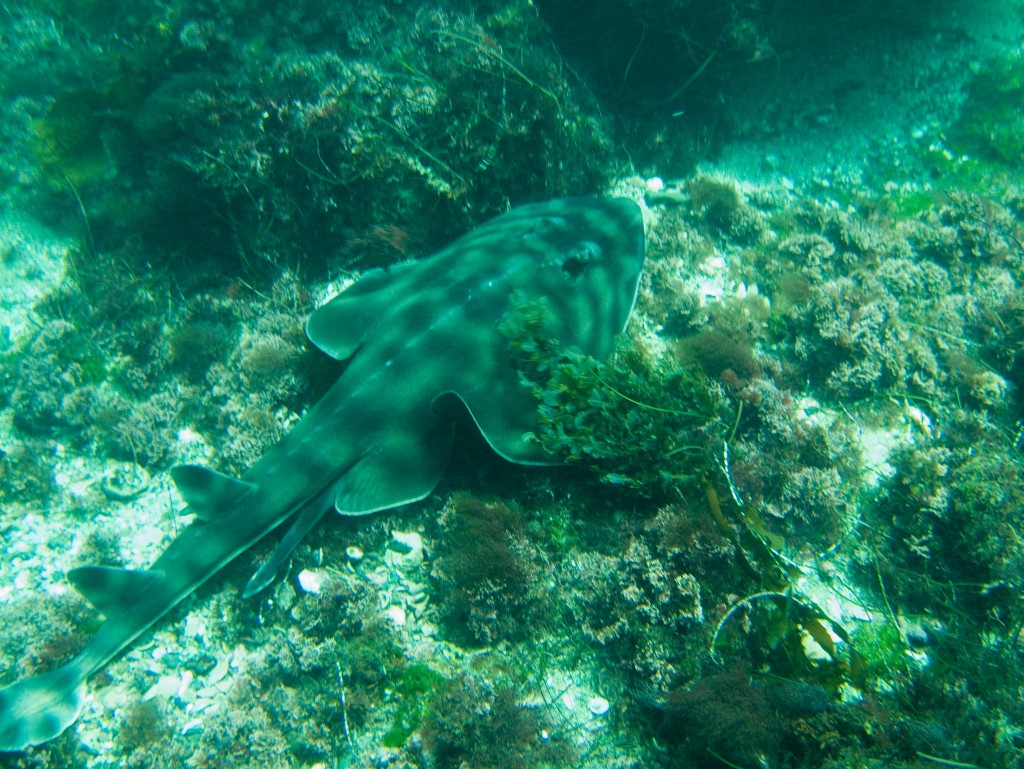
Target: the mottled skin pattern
pixel 418 335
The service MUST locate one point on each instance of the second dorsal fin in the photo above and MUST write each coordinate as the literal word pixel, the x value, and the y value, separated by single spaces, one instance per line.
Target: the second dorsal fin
pixel 112 590
pixel 208 492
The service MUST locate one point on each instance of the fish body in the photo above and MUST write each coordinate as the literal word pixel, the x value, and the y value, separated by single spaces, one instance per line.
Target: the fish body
pixel 418 336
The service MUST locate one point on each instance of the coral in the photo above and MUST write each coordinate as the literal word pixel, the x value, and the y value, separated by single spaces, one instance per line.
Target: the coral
pixel 101 547
pixel 59 360
pixel 715 352
pixel 65 752
pixel 475 724
pixel 864 338
pixel 802 474
pixel 268 361
pixel 143 724
pixel 640 609
pixel 248 733
pixel 1005 351
pixel 252 390
pixel 737 718
pixel 727 715
pixel 197 344
pixel 693 543
pixel 146 433
pixel 487 570
pixel 949 514
pixel 312 668
pixel 343 606
pixel 715 201
pixel 26 475
pixel 244 432
pixel 914 321
pixel 42 633
pixel 443 110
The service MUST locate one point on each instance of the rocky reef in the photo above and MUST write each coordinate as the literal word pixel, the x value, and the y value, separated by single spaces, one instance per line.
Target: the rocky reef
pixel 786 531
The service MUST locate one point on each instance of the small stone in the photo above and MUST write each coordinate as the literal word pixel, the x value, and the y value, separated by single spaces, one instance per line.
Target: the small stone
pixel 166 687
pixel 354 554
pixel 188 435
pixel 417 593
pixel 194 627
pixel 219 672
pixel 988 388
pixel 669 197
pixel 396 614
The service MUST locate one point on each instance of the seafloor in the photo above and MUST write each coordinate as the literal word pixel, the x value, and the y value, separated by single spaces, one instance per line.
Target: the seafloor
pixel 790 529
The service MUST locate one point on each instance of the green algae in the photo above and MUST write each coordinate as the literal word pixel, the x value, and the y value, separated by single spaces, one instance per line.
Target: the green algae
pixel 638 422
pixel 991 125
pixel 416 690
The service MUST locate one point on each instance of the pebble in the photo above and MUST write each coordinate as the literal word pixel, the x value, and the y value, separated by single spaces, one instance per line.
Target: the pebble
pixel 396 614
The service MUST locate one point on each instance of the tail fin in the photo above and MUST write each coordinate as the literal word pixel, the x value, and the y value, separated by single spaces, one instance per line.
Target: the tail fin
pixel 38 709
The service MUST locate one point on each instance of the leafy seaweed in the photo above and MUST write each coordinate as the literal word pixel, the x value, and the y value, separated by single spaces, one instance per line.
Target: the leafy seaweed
pixel 637 421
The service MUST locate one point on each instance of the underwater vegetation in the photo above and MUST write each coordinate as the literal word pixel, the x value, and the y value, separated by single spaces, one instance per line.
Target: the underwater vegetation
pixel 992 119
pixel 683 595
pixel 638 425
pixel 487 570
pixel 317 142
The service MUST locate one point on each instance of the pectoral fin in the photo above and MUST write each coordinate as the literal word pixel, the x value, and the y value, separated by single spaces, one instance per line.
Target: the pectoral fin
pixel 402 469
pixel 338 328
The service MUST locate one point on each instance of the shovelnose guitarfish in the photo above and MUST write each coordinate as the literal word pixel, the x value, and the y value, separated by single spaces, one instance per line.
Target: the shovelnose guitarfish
pixel 419 337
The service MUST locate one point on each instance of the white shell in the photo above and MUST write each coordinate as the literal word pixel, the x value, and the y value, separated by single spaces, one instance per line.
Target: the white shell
pixel 405 549
pixel 598 706
pixel 311 581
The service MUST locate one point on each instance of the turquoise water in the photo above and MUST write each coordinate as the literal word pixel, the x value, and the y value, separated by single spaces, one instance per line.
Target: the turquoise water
pixel 782 525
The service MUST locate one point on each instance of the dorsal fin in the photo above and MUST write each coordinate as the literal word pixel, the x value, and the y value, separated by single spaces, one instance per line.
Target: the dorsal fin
pixel 208 492
pixel 112 590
